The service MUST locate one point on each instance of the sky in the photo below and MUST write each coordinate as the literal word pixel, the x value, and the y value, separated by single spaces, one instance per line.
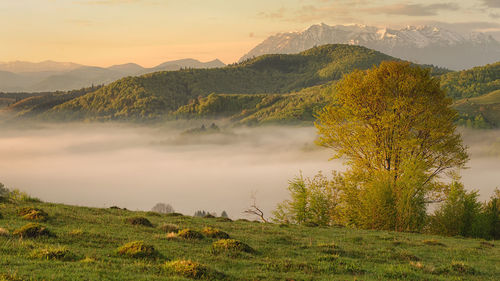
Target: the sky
pixel 149 32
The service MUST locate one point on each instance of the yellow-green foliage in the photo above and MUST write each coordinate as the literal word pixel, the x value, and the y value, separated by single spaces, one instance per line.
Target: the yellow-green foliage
pixel 214 233
pixel 462 267
pixel 190 234
pixel 168 227
pixel 31 213
pixel 32 230
pixel 230 245
pixel 472 82
pixel 139 221
pixel 10 277
pixel 192 269
pixel 432 242
pixel 137 249
pixel 53 253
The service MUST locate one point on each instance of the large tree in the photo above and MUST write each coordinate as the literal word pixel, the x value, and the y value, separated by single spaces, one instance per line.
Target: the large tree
pixel 394 127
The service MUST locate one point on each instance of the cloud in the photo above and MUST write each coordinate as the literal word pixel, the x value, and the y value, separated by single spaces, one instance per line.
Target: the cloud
pixel 413 9
pixel 278 14
pixel 117 2
pixel 491 3
pixel 309 13
pixel 494 15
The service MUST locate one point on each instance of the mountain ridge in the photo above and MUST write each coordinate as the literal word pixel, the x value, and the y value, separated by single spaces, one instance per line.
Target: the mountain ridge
pixel 419 44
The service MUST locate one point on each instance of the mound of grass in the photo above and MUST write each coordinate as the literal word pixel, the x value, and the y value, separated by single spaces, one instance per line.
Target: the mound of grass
pixel 53 253
pixel 209 216
pixel 4 232
pixel 214 233
pixel 32 230
pixel 193 270
pixel 433 242
pixel 222 219
pixel 174 215
pixel 153 214
pixel 137 249
pixel 190 234
pixel 462 267
pixel 142 221
pixel 31 213
pixel 76 232
pixel 168 227
pixel 231 246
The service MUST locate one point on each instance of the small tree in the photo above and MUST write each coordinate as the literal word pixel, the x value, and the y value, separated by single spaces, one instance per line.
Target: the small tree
pixel 394 127
pixel 4 192
pixel 163 208
pixel 459 214
pixel 224 214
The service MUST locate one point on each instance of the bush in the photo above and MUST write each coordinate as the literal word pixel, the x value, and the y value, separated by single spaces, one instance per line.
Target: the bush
pixel 18 196
pixel 139 221
pixel 223 219
pixel 214 233
pixel 191 269
pixel 32 230
pixel 231 246
pixel 53 253
pixel 137 249
pixel 190 234
pixel 4 193
pixel 31 213
pixel 459 214
pixel 174 215
pixel 168 227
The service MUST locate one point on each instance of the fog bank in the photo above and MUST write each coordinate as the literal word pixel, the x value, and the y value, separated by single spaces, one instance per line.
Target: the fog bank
pixel 136 167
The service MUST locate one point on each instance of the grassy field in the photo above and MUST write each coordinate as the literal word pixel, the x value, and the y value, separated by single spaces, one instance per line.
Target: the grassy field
pixel 84 242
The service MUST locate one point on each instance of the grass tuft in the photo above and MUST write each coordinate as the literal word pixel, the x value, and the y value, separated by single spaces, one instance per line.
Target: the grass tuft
pixel 192 269
pixel 168 227
pixel 190 234
pixel 214 233
pixel 31 213
pixel 142 221
pixel 433 242
pixel 137 249
pixel 4 232
pixel 53 253
pixel 230 246
pixel 32 230
pixel 462 267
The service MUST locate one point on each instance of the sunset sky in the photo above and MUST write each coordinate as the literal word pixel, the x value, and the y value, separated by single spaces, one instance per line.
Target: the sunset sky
pixel 148 32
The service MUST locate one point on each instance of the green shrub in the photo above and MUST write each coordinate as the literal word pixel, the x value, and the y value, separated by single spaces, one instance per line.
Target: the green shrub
pixel 53 253
pixel 231 246
pixel 190 234
pixel 214 233
pixel 137 249
pixel 153 214
pixel 209 216
pixel 31 213
pixel 191 269
pixel 139 221
pixel 168 227
pixel 18 196
pixel 222 219
pixel 32 230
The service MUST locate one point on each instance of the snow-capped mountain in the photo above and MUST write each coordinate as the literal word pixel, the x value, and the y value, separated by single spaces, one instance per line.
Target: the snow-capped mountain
pixel 422 44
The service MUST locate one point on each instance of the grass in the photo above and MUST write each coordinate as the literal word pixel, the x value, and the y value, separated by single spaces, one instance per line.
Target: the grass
pixel 91 237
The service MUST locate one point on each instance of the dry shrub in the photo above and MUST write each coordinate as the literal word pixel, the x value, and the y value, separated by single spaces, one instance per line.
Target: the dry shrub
pixel 142 221
pixel 4 232
pixel 137 249
pixel 214 233
pixel 32 230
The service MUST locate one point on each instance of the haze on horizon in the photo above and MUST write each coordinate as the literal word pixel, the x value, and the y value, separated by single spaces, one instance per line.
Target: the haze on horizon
pixel 149 32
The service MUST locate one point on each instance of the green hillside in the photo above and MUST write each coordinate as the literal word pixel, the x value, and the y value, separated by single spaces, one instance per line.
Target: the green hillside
pixel 80 243
pixel 473 82
pixel 152 95
pixel 481 112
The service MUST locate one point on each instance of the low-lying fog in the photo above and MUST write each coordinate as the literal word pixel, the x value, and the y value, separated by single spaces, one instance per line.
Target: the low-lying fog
pixel 136 167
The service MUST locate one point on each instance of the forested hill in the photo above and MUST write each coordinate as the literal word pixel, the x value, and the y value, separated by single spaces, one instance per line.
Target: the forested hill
pixel 473 82
pixel 151 96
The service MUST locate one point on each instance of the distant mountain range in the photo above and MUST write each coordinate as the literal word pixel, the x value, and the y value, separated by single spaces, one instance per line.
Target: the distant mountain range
pixel 423 44
pixel 62 76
